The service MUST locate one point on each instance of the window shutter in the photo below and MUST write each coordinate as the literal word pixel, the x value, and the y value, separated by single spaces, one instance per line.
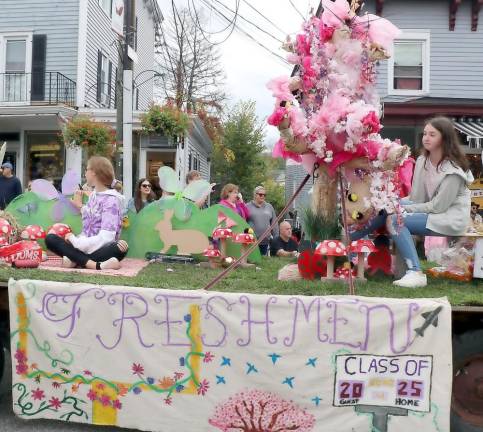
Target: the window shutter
pixel 39 55
pixel 99 75
pixel 109 81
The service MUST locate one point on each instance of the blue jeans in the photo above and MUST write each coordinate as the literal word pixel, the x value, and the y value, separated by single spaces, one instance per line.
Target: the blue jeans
pixel 413 223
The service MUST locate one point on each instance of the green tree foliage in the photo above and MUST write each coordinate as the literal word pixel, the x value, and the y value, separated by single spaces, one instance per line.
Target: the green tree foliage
pixel 238 158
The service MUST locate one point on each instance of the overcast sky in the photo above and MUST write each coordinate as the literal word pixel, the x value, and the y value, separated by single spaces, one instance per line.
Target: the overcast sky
pixel 248 66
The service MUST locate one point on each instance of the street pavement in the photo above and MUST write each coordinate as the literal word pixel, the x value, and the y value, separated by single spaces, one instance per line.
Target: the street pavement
pixel 10 423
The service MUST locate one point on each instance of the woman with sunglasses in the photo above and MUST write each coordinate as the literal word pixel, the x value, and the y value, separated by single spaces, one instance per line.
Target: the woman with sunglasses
pixel 143 195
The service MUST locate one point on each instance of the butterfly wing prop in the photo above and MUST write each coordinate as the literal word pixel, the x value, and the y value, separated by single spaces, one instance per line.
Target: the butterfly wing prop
pixel 44 189
pixel 197 190
pixel 70 182
pixel 168 179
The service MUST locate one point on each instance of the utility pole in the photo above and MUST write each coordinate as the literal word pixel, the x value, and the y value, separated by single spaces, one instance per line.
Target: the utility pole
pixel 130 28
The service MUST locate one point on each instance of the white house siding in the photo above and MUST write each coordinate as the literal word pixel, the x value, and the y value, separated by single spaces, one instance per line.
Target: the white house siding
pixel 294 175
pixel 145 52
pixel 57 19
pixel 456 57
pixel 100 36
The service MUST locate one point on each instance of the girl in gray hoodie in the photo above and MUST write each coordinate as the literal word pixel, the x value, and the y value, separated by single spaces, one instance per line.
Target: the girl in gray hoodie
pixel 439 203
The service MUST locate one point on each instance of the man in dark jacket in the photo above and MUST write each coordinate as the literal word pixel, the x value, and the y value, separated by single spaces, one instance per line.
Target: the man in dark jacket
pixel 10 186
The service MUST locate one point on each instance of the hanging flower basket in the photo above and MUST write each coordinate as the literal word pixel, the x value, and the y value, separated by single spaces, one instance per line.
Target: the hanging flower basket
pixel 96 138
pixel 165 120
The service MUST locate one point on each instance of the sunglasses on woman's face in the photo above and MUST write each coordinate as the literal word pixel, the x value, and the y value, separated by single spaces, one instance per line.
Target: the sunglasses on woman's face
pixel 146 185
pixel 260 194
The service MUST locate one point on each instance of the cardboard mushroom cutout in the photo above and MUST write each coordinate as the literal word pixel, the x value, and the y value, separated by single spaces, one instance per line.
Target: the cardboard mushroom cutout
pixel 32 232
pixel 361 247
pixel 331 249
pixel 245 239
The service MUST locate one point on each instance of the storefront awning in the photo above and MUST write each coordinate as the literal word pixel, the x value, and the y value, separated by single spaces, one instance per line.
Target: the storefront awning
pixel 471 128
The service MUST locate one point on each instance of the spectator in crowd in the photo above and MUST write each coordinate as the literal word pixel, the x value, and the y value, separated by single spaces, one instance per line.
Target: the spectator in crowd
pixel 231 198
pixel 143 195
pixel 98 246
pixel 156 189
pixel 10 186
pixel 284 245
pixel 261 217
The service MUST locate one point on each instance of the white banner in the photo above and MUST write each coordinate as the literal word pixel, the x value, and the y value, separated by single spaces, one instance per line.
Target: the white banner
pixel 167 360
pixel 117 14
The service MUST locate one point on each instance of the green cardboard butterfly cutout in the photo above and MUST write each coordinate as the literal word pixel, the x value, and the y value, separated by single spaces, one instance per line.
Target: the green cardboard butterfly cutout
pixel 182 198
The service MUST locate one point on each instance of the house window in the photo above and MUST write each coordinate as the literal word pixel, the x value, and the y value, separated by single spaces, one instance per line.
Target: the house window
pixel 409 65
pixel 106 6
pixel 103 79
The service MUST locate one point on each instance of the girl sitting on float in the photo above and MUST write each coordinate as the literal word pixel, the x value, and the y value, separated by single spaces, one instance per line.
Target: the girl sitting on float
pixel 98 246
pixel 439 203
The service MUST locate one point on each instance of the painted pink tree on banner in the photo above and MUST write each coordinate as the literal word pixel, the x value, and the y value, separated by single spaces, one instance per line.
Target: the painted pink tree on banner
pixel 260 411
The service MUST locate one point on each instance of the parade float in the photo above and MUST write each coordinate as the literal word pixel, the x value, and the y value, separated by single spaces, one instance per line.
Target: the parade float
pixel 165 360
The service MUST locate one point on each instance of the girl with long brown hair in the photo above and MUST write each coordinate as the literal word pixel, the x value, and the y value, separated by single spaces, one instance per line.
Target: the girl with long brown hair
pixel 439 203
pixel 143 195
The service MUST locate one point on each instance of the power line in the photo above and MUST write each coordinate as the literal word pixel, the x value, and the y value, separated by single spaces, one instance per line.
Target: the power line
pixel 246 33
pixel 300 13
pixel 263 16
pixel 198 23
pixel 250 22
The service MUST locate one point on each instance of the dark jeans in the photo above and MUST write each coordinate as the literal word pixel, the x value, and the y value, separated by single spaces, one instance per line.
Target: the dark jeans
pixel 263 249
pixel 62 248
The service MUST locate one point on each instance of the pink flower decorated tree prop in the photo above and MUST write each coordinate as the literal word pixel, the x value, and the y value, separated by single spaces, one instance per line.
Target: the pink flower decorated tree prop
pixel 331 108
pixel 260 411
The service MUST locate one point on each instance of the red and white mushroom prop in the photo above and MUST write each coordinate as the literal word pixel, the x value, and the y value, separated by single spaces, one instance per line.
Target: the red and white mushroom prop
pixel 214 257
pixel 32 232
pixel 5 228
pixel 222 234
pixel 3 240
pixel 59 229
pixel 361 247
pixel 245 239
pixel 331 249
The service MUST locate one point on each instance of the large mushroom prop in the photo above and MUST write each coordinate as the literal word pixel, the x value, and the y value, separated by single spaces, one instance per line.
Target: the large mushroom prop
pixel 331 249
pixel 361 247
pixel 214 257
pixel 59 229
pixel 222 234
pixel 32 232
pixel 245 240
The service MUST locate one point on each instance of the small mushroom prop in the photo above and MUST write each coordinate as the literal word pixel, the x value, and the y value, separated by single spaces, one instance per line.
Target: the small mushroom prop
pixel 214 257
pixel 331 249
pixel 3 240
pixel 245 240
pixel 33 232
pixel 5 227
pixel 222 234
pixel 59 229
pixel 361 247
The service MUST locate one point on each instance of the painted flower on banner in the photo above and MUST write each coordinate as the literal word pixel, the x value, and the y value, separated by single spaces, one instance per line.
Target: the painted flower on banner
pixel 203 387
pixel 55 402
pixel 209 356
pixel 91 395
pixel 38 394
pixel 264 411
pixel 166 382
pixel 137 369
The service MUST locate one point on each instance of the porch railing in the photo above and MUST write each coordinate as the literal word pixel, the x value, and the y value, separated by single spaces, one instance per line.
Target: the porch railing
pixel 38 88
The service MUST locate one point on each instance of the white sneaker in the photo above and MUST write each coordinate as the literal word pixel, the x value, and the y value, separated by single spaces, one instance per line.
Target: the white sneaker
pixel 412 279
pixel 67 263
pixel 111 264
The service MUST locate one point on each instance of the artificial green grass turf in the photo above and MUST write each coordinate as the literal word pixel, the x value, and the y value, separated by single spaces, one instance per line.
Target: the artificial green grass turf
pixel 262 281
